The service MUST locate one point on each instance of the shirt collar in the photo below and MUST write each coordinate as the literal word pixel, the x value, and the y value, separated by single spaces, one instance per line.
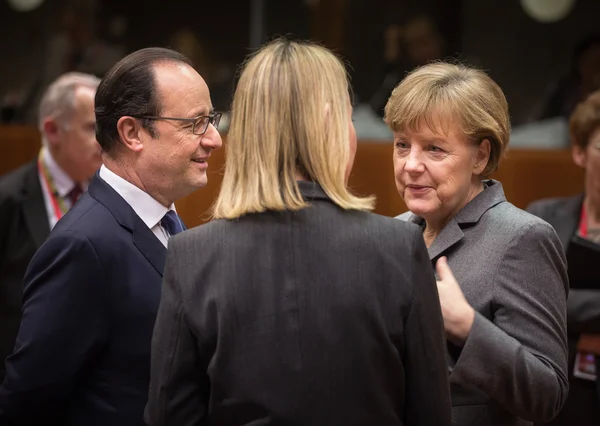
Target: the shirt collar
pixel 62 181
pixel 147 208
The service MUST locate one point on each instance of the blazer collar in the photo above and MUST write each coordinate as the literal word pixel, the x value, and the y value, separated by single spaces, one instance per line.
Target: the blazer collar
pixel 312 191
pixel 143 238
pixel 452 233
pixel 34 208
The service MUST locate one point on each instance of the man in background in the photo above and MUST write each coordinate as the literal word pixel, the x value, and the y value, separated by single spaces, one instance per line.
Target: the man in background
pixel 34 197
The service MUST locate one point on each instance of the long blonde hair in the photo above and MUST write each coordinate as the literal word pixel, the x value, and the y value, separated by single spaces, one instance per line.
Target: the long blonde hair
pixel 289 117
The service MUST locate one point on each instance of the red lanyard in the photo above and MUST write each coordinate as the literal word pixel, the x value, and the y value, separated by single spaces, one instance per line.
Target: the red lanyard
pixel 57 203
pixel 583 227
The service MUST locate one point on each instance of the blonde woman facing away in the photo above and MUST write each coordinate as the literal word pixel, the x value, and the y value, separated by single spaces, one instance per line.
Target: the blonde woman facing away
pixel 502 271
pixel 296 306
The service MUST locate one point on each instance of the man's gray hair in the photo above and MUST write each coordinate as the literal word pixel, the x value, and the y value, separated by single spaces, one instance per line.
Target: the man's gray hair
pixel 59 98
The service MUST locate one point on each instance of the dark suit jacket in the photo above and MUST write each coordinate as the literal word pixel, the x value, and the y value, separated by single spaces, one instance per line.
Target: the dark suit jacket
pixel 91 295
pixel 316 317
pixel 583 315
pixel 511 267
pixel 23 228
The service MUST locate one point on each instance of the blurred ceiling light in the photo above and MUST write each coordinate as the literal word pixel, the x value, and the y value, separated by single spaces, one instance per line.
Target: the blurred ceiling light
pixel 547 10
pixel 24 5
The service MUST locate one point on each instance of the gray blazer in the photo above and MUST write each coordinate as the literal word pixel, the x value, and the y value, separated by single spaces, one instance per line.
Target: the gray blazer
pixel 315 317
pixel 512 369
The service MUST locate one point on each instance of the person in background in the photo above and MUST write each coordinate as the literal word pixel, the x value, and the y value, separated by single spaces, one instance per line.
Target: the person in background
pixel 91 292
pixel 416 43
pixel 582 80
pixel 296 305
pixel 550 130
pixel 502 277
pixel 580 215
pixel 35 196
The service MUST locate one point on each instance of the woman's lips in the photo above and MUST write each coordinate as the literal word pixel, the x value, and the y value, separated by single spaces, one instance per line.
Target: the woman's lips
pixel 418 189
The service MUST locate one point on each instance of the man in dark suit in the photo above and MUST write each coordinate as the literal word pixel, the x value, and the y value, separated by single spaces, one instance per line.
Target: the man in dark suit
pixel 35 196
pixel 92 290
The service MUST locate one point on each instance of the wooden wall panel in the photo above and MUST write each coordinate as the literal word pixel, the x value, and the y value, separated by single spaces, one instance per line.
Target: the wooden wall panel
pixel 526 175
pixel 18 145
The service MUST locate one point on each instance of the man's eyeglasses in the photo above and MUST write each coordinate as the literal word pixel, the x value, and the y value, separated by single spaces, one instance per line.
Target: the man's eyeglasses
pixel 199 124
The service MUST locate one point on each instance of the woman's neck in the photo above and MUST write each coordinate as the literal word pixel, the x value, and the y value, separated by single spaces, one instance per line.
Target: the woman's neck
pixel 430 234
pixel 434 226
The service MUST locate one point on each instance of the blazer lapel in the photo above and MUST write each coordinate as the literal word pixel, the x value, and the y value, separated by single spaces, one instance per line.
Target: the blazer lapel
pixel 452 233
pixel 143 238
pixel 34 208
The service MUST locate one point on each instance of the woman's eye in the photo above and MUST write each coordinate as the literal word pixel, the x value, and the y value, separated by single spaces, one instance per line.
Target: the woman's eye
pixel 434 148
pixel 401 145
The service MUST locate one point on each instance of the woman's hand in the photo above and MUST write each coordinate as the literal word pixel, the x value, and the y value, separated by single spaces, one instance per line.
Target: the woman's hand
pixel 458 314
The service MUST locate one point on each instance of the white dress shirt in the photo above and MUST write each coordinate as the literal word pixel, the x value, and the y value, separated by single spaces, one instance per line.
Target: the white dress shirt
pixel 62 182
pixel 147 208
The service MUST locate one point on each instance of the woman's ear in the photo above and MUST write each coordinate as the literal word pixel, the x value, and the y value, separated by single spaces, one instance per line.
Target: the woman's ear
pixel 129 130
pixel 482 156
pixel 579 155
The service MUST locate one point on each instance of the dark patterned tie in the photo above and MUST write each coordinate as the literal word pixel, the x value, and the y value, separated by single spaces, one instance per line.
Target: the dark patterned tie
pixel 171 223
pixel 75 194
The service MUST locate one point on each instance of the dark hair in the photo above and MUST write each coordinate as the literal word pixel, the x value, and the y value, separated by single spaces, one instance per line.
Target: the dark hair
pixel 129 89
pixel 581 49
pixel 585 120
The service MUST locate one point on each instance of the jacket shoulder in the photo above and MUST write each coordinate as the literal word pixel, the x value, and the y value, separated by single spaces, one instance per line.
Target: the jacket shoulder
pixel 548 205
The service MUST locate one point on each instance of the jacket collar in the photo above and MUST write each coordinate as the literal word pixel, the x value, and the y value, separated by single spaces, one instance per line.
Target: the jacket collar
pixel 143 238
pixel 312 191
pixel 452 233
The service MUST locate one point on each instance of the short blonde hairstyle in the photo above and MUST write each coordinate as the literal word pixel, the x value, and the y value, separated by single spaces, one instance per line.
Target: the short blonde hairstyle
pixel 441 92
pixel 290 117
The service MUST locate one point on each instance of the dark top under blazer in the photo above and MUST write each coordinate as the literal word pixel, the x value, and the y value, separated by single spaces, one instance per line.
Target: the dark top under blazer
pixel 23 228
pixel 316 317
pixel 512 369
pixel 583 315
pixel 92 290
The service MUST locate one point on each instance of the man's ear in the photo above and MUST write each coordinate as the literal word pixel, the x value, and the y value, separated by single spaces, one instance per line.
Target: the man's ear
pixel 579 155
pixel 51 130
pixel 129 130
pixel 482 156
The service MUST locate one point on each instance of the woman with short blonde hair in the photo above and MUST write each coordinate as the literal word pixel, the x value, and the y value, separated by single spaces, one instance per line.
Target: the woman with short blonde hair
pixel 466 95
pixel 502 272
pixel 296 306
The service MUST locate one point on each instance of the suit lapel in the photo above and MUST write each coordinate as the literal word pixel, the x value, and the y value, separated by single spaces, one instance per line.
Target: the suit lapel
pixel 143 238
pixel 150 246
pixel 34 208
